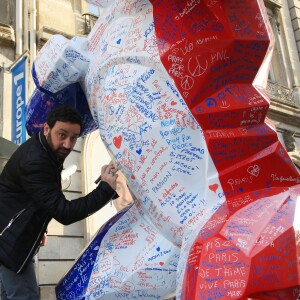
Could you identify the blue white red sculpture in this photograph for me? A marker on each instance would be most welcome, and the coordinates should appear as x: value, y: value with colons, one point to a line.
x: 177, y: 90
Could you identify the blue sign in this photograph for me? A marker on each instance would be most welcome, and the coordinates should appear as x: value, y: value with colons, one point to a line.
x: 18, y: 130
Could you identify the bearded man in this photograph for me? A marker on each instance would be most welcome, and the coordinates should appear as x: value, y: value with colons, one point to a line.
x: 31, y: 195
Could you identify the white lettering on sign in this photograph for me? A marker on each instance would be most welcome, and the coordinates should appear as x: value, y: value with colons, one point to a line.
x: 19, y: 111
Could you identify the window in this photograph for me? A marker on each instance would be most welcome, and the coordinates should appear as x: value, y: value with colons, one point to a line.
x: 277, y: 69
x: 94, y: 10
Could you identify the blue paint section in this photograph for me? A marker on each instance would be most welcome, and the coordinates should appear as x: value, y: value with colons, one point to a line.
x: 74, y: 284
x: 42, y: 101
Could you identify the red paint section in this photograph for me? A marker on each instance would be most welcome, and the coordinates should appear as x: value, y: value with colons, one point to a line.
x: 213, y: 50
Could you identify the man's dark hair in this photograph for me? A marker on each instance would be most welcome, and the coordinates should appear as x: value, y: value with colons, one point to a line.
x: 64, y: 113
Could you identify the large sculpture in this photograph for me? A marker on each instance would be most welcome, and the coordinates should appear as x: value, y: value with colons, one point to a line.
x: 176, y: 89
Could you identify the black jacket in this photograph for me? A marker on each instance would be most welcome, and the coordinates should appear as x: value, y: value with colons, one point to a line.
x: 30, y: 196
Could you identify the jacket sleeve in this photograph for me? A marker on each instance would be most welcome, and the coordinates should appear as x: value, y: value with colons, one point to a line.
x: 39, y: 180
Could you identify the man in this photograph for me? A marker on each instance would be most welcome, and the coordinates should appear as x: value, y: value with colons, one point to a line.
x: 30, y: 196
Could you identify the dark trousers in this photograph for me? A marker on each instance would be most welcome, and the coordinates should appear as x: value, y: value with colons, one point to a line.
x: 18, y: 286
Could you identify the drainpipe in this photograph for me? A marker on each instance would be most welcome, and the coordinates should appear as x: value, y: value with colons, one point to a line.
x: 32, y: 40
x: 30, y: 80
x: 1, y: 97
x: 19, y: 21
x: 25, y: 41
x: 26, y: 46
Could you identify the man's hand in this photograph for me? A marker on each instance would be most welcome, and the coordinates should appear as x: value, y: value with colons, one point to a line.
x: 43, y: 241
x: 108, y: 174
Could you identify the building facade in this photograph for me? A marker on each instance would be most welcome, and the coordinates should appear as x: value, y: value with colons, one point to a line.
x: 25, y: 26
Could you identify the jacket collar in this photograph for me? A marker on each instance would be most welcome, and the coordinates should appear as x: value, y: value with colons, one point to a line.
x: 46, y: 147
x: 43, y: 142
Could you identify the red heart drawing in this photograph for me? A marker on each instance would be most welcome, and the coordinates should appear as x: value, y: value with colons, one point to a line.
x: 214, y: 187
x: 173, y: 103
x: 132, y: 176
x: 117, y: 141
x: 161, y: 263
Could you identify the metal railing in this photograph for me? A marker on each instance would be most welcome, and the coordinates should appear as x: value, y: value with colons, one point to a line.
x: 89, y: 22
